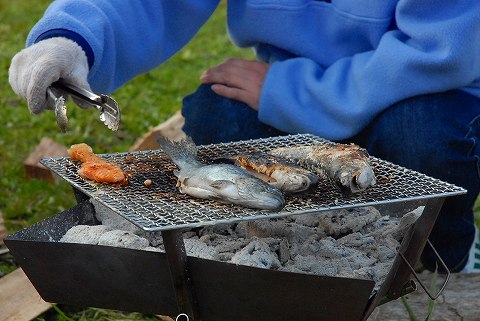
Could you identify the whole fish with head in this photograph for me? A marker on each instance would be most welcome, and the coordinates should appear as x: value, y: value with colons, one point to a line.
x: 279, y: 172
x: 347, y: 165
x: 225, y: 183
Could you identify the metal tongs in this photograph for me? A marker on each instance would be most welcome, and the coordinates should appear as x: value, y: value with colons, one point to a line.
x: 57, y: 95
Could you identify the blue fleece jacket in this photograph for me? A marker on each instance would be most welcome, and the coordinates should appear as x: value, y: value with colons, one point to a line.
x: 335, y: 64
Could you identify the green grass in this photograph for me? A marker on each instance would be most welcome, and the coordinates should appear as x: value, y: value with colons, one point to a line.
x: 66, y: 313
x: 145, y: 101
x: 476, y: 212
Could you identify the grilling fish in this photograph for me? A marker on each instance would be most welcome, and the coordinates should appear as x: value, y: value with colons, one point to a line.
x: 347, y: 165
x: 279, y: 172
x: 226, y: 183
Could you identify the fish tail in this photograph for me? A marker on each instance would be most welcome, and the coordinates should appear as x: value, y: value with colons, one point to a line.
x: 181, y: 152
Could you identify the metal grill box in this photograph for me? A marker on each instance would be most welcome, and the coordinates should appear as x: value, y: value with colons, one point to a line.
x: 172, y: 283
x: 134, y: 280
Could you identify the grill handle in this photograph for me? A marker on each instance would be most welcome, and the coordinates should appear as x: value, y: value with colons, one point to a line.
x: 447, y: 276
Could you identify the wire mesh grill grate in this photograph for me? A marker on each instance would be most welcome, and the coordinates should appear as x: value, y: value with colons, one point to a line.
x: 161, y: 206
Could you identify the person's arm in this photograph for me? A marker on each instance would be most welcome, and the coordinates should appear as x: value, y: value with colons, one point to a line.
x: 436, y: 48
x: 123, y: 38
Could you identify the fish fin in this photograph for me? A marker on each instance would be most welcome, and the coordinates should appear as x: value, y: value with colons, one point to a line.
x: 221, y: 184
x: 181, y: 152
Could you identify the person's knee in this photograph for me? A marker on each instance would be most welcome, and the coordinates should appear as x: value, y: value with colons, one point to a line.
x: 199, y: 103
x: 211, y: 118
x: 208, y: 116
x: 422, y: 132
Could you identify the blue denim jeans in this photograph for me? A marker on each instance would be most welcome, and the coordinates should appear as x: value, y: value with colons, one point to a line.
x: 436, y: 134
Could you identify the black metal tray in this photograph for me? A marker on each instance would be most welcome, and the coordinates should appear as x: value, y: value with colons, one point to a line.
x: 133, y: 280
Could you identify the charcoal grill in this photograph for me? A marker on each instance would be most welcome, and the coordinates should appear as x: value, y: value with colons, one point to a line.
x: 205, y: 289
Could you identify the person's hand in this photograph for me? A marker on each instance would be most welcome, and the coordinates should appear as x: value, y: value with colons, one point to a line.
x: 35, y: 68
x: 238, y: 79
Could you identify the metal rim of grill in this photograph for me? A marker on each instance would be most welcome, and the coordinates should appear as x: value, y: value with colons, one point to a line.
x: 162, y: 207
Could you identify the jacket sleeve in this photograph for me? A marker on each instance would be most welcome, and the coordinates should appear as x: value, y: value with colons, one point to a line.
x: 435, y: 47
x: 126, y: 38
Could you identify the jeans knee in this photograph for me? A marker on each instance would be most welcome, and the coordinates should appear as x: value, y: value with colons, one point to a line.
x: 425, y: 133
x: 211, y: 118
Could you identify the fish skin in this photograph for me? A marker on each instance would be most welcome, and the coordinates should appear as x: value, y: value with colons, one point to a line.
x: 347, y: 165
x: 225, y: 183
x: 279, y: 172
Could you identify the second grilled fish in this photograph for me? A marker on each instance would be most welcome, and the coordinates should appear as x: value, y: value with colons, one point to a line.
x: 347, y: 165
x: 226, y: 183
x: 279, y: 172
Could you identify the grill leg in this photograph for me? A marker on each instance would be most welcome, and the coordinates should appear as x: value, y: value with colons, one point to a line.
x: 177, y: 261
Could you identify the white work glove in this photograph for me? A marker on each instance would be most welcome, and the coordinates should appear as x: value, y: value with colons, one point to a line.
x: 35, y: 68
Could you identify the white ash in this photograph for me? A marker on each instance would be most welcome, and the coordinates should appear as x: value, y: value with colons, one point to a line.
x: 125, y: 239
x: 104, y: 235
x: 353, y: 243
x: 258, y: 254
x: 200, y: 249
x: 84, y: 234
